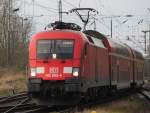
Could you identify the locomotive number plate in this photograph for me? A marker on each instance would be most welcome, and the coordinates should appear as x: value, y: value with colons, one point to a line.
x: 54, y: 70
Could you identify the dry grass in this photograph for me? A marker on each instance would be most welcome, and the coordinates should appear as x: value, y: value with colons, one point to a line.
x: 122, y: 106
x: 11, y: 80
x: 132, y: 104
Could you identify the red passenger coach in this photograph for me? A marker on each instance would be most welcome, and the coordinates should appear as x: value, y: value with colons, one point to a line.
x: 122, y: 69
x: 120, y: 57
x: 68, y: 62
x: 138, y: 68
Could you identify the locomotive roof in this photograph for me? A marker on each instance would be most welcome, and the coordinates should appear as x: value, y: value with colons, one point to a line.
x: 94, y: 33
x: 44, y: 33
x: 137, y: 54
x: 124, y: 49
x: 116, y: 47
x: 59, y: 30
x: 119, y: 48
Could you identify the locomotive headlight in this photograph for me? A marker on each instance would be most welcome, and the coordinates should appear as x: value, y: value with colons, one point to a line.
x: 75, y: 72
x: 40, y: 70
x: 33, y: 72
x: 37, y: 70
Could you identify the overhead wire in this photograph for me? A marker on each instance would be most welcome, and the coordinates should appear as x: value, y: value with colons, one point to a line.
x: 108, y: 27
x: 20, y: 5
x: 76, y: 7
x: 111, y: 13
x: 105, y: 26
x: 44, y: 7
x: 69, y: 3
x: 119, y: 23
x: 121, y: 38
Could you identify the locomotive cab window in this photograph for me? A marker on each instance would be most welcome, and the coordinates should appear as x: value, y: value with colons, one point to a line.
x: 55, y: 49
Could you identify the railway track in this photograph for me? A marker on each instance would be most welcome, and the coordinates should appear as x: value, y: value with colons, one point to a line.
x: 21, y: 103
x: 146, y: 93
x: 26, y: 108
x: 8, y: 100
x: 88, y: 104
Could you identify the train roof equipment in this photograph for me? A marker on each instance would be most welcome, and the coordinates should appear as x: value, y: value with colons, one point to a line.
x: 63, y: 25
x: 91, y: 13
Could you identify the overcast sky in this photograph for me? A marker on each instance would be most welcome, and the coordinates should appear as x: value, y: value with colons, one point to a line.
x: 49, y: 8
x: 104, y: 6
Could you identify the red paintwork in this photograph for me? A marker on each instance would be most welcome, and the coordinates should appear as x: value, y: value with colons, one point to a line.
x: 98, y: 66
x: 57, y: 34
x: 138, y: 67
x: 123, y: 69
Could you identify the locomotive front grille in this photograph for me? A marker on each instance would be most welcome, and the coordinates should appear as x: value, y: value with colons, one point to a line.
x: 56, y: 87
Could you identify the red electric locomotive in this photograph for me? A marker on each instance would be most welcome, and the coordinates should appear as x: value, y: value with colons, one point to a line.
x: 68, y: 62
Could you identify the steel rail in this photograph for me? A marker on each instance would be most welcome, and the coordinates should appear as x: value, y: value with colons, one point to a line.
x: 3, y: 99
x: 23, y: 106
x: 36, y: 110
x: 11, y: 109
x: 146, y: 93
x: 83, y: 105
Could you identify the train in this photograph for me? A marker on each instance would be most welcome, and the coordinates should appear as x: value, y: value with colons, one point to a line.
x: 147, y: 67
x: 67, y: 65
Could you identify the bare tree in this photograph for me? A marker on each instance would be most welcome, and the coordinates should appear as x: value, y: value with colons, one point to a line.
x: 13, y: 36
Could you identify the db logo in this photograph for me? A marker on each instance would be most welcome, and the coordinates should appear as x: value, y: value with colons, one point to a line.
x: 54, y: 70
